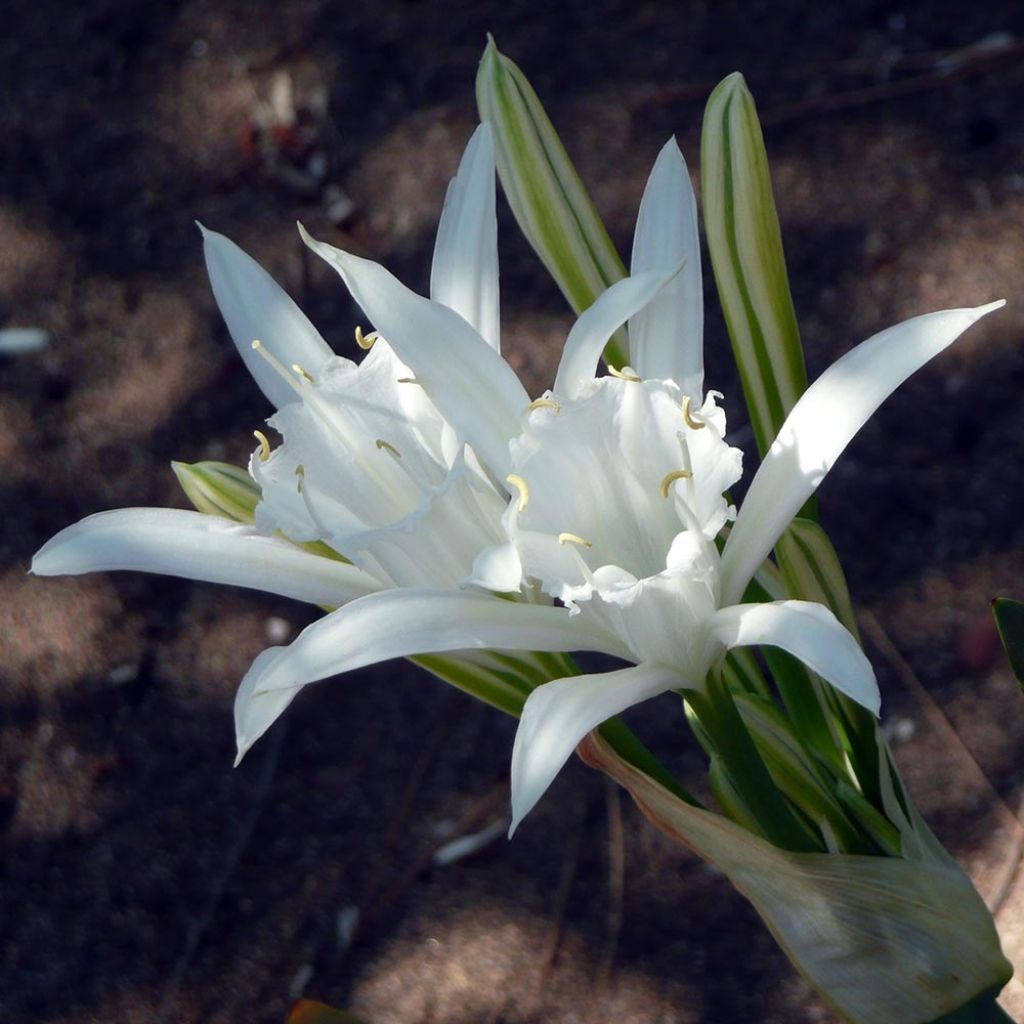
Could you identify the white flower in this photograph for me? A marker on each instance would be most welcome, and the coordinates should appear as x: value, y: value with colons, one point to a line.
x: 616, y: 483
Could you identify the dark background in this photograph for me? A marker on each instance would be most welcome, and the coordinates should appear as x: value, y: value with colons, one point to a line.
x: 141, y: 878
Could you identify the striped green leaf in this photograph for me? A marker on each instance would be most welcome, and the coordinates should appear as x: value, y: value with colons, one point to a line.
x: 550, y: 203
x: 742, y: 230
x: 219, y: 489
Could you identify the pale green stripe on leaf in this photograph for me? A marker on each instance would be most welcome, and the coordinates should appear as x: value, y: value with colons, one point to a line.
x: 742, y: 230
x: 811, y: 571
x: 796, y: 773
x: 219, y: 489
x: 505, y: 690
x: 550, y: 203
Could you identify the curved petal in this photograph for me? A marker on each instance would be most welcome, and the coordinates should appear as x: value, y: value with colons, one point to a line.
x: 400, y: 623
x: 808, y: 631
x: 255, y: 713
x: 464, y: 274
x: 174, y: 542
x: 471, y: 385
x: 666, y: 337
x: 255, y: 306
x: 596, y: 324
x: 559, y: 714
x: 822, y: 424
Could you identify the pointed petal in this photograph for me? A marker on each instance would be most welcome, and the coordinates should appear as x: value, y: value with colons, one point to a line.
x: 599, y: 322
x: 173, y: 542
x: 464, y: 274
x: 822, y: 424
x: 808, y: 631
x: 255, y: 713
x: 254, y: 307
x: 666, y: 337
x: 559, y: 714
x: 400, y: 623
x: 471, y: 385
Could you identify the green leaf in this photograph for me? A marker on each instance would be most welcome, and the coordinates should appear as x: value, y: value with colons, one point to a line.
x: 726, y: 734
x: 881, y: 939
x: 742, y: 230
x: 550, y: 203
x: 797, y: 774
x: 219, y: 489
x: 811, y: 571
x: 1010, y: 622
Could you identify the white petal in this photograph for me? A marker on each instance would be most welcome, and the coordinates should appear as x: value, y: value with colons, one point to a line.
x: 255, y: 713
x: 808, y: 631
x: 822, y: 424
x: 559, y: 714
x: 174, y: 542
x: 464, y: 274
x: 471, y: 385
x: 596, y: 324
x: 666, y: 336
x: 400, y: 623
x: 254, y: 307
x: 497, y: 568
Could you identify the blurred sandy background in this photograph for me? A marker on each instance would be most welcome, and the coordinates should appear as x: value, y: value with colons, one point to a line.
x: 144, y: 880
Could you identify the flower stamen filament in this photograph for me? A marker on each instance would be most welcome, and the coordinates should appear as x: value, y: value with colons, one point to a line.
x: 670, y: 478
x: 574, y: 538
x: 365, y: 341
x: 522, y: 487
x: 544, y: 403
x: 624, y: 374
x: 691, y: 422
x: 383, y: 445
x: 264, y: 444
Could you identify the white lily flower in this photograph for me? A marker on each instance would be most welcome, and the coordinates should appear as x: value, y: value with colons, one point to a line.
x: 368, y: 465
x: 618, y: 497
x: 401, y: 465
x: 621, y: 483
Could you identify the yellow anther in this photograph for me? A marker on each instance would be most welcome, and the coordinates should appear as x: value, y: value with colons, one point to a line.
x: 544, y: 403
x: 365, y: 341
x: 302, y: 373
x: 670, y: 478
x: 264, y: 444
x: 383, y: 445
x: 574, y: 538
x: 624, y: 376
x: 688, y: 416
x: 301, y: 474
x: 522, y: 487
x: 407, y: 380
